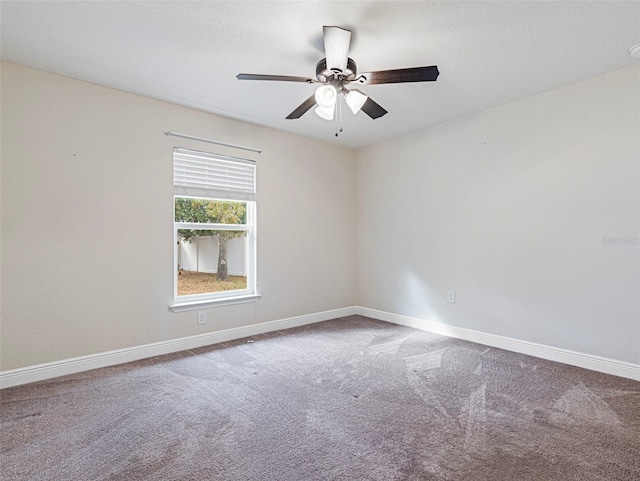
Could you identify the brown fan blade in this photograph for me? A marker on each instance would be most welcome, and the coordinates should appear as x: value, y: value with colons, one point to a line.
x: 283, y: 78
x: 302, y: 108
x: 414, y: 74
x: 372, y: 109
x: 336, y: 47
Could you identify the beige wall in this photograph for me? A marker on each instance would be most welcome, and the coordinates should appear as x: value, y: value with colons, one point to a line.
x: 512, y: 209
x: 87, y: 220
x: 508, y: 207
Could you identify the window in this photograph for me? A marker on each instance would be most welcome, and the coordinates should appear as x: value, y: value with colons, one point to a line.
x: 214, y: 230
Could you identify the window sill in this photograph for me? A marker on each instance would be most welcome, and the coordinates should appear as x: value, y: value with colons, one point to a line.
x: 206, y: 304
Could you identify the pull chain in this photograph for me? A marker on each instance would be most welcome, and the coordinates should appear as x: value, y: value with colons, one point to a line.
x: 339, y: 117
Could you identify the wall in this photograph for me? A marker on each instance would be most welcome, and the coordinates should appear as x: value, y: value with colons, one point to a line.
x: 529, y: 211
x: 87, y: 240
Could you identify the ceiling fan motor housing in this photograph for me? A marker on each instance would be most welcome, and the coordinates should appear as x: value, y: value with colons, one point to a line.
x: 323, y: 74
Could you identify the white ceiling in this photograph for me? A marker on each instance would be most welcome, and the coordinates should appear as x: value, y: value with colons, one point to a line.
x: 488, y: 53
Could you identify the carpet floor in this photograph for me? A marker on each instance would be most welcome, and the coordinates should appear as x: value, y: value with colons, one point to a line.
x: 348, y: 399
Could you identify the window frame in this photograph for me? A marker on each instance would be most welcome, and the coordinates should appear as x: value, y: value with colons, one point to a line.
x: 220, y: 298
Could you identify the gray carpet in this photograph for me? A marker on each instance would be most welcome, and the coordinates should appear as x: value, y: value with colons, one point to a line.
x: 347, y: 399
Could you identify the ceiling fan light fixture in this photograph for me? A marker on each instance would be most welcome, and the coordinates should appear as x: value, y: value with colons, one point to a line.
x: 326, y: 96
x: 325, y: 112
x: 337, y: 71
x: 355, y: 100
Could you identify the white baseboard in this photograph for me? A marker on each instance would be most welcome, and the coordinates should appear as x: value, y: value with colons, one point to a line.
x: 50, y: 370
x: 587, y: 361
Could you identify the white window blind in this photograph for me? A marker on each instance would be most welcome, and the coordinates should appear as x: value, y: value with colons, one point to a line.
x: 200, y: 174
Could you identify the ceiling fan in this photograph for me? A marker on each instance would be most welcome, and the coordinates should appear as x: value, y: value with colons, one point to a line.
x: 337, y: 71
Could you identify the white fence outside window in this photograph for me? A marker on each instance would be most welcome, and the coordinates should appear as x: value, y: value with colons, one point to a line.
x: 201, y: 255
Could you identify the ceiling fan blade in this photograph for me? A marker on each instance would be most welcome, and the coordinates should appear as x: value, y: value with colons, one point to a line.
x: 414, y: 74
x: 283, y: 78
x: 302, y: 108
x: 372, y: 109
x: 336, y: 47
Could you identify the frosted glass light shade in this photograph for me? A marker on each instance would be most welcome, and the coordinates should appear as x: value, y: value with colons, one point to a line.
x: 325, y: 112
x: 326, y: 96
x: 355, y: 100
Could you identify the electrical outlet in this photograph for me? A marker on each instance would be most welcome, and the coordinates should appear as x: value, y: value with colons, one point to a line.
x: 202, y: 317
x: 451, y: 297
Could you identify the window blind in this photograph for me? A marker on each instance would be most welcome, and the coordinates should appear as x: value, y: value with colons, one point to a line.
x: 200, y: 174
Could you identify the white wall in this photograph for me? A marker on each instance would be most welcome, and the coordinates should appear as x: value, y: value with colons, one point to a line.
x: 87, y: 241
x: 512, y: 208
